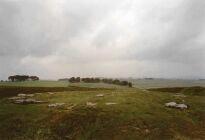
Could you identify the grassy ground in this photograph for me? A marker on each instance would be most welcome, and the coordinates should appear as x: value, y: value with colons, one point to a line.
x: 36, y: 84
x: 138, y: 114
x: 200, y: 91
x: 57, y: 84
x: 96, y: 85
x: 159, y: 83
x: 138, y: 83
x: 8, y: 91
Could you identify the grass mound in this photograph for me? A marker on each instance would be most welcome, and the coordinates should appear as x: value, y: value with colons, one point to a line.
x: 198, y: 91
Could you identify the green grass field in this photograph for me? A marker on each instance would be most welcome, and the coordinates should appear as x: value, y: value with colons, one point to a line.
x: 138, y: 113
x: 138, y: 83
x: 160, y: 83
x: 36, y: 84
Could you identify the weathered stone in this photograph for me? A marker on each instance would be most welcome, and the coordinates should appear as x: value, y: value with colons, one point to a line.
x: 21, y: 95
x: 175, y: 105
x: 179, y: 95
x: 24, y: 101
x: 147, y: 131
x: 91, y: 104
x: 181, y: 106
x: 29, y: 95
x: 110, y: 103
x: 99, y: 95
x: 56, y: 105
x: 171, y: 104
x: 70, y: 107
x: 40, y: 102
x: 27, y: 101
x: 15, y: 98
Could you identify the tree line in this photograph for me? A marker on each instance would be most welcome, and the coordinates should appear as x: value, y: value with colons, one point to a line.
x: 22, y: 78
x: 98, y: 80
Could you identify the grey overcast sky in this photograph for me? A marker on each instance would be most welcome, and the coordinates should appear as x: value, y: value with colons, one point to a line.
x: 108, y: 38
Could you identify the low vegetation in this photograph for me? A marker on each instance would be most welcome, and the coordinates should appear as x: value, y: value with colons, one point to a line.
x: 102, y: 114
x: 8, y: 91
x: 41, y: 83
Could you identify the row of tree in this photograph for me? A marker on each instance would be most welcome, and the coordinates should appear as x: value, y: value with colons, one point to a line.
x: 74, y: 80
x: 117, y: 82
x: 98, y: 80
x: 22, y: 78
x: 91, y: 80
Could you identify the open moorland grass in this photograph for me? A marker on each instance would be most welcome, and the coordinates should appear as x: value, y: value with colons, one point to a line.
x: 136, y: 114
x: 163, y: 83
x: 95, y: 85
x: 57, y: 84
x: 36, y: 84
x: 8, y: 91
x: 138, y: 83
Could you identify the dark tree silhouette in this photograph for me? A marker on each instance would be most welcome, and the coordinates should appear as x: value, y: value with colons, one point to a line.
x: 97, y: 80
x: 22, y: 78
x: 77, y: 79
x: 34, y: 78
x: 74, y: 80
x: 130, y: 84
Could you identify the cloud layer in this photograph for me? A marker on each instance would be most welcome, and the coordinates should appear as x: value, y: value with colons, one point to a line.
x: 111, y: 38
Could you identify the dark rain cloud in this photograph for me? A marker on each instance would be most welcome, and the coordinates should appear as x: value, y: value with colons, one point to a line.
x: 53, y: 38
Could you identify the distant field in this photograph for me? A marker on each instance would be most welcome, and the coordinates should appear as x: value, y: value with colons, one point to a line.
x: 58, y: 84
x: 159, y: 83
x: 138, y: 83
x: 36, y: 84
x: 96, y: 85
